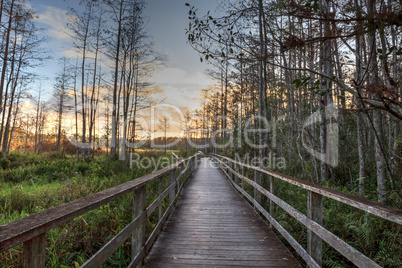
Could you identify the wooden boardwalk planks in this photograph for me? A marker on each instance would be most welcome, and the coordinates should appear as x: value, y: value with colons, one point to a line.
x: 212, y: 226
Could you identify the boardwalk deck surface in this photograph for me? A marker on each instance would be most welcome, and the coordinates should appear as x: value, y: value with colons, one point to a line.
x: 212, y: 226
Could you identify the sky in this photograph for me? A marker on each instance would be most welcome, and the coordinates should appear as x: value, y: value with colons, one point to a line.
x: 183, y: 76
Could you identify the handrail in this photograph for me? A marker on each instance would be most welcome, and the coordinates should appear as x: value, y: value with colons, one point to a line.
x: 377, y: 209
x: 313, y: 220
x: 31, y: 230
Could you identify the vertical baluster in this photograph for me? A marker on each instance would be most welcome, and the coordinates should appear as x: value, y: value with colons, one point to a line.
x: 236, y: 169
x: 230, y: 172
x: 160, y: 190
x: 139, y: 206
x: 172, y: 182
x: 179, y: 182
x: 271, y: 203
x: 314, y: 212
x: 34, y: 252
x: 242, y: 181
x: 257, y: 194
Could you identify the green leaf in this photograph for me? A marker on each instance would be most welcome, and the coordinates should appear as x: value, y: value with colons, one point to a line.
x: 315, y: 6
x: 201, y: 59
x: 187, y: 4
x: 295, y: 81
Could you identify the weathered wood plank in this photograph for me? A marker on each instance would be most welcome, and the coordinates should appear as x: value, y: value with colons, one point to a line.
x: 158, y: 202
x: 296, y: 246
x: 314, y: 212
x: 172, y: 183
x: 271, y: 189
x: 107, y: 250
x: 139, y: 208
x: 33, y: 252
x: 160, y: 190
x: 214, y: 221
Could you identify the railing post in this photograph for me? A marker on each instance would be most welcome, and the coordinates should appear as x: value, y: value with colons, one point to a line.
x: 181, y: 179
x: 242, y: 173
x: 237, y: 171
x: 172, y: 189
x: 139, y: 206
x: 271, y: 203
x: 160, y: 207
x: 257, y: 179
x: 314, y: 212
x: 34, y: 252
x: 230, y: 173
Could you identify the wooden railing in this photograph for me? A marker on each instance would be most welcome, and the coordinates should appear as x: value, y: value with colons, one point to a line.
x: 30, y: 231
x: 313, y: 220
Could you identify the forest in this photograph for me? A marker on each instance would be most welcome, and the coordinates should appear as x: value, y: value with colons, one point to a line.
x: 308, y: 88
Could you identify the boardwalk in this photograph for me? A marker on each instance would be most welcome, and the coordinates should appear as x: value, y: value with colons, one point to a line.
x: 212, y: 226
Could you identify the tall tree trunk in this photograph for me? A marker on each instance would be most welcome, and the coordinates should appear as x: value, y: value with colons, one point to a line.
x: 92, y: 100
x: 76, y: 110
x: 37, y: 120
x: 15, y: 118
x: 261, y: 81
x: 326, y: 97
x: 374, y: 80
x: 84, y: 52
x: 113, y: 146
x: 360, y: 121
x: 5, y: 56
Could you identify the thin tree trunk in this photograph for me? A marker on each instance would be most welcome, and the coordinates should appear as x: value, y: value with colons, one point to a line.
x: 5, y: 56
x: 113, y: 146
x: 37, y: 121
x: 378, y: 131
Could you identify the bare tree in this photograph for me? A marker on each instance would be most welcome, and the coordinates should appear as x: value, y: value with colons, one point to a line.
x: 164, y: 126
x: 61, y: 97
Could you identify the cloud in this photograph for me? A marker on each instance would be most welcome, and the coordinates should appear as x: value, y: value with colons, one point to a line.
x: 174, y: 76
x: 182, y: 88
x: 55, y: 20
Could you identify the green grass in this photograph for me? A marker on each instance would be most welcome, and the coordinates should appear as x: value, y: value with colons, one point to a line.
x: 32, y: 183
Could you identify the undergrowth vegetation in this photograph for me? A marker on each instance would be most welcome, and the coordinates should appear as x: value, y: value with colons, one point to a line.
x: 32, y: 183
x: 378, y: 239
